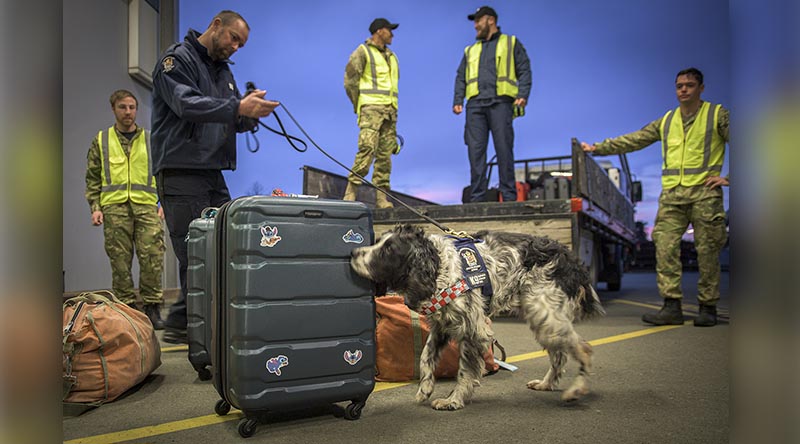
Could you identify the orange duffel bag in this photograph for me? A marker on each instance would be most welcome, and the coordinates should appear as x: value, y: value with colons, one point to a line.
x: 400, y: 335
x: 108, y: 348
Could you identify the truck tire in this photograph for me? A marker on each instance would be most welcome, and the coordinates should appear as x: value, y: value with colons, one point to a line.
x: 614, y: 278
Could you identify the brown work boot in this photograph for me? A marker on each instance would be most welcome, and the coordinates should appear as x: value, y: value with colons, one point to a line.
x: 153, y: 311
x: 350, y: 192
x: 670, y: 314
x: 707, y: 316
x: 381, y: 201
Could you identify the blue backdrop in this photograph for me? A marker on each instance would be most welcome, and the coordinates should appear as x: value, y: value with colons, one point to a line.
x: 600, y: 69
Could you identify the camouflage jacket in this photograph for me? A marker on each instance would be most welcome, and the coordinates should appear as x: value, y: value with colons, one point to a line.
x: 650, y: 134
x: 355, y: 69
x: 94, y: 181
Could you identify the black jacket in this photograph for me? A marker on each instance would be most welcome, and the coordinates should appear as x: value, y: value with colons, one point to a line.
x: 195, y: 110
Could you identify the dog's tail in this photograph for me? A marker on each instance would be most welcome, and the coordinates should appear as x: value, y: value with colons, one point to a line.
x: 589, y: 304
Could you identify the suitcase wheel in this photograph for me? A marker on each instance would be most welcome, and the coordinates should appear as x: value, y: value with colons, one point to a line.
x: 353, y: 411
x: 204, y: 374
x: 247, y: 427
x: 222, y: 407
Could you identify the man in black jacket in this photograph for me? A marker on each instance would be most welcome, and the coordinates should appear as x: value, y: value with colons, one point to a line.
x: 197, y: 111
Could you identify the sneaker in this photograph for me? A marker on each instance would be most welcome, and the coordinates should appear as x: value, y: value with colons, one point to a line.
x: 175, y: 336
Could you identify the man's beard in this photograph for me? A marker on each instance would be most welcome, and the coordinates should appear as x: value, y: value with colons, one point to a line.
x: 217, y: 53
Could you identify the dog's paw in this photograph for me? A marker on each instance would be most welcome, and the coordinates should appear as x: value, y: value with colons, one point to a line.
x: 447, y: 404
x: 538, y: 384
x: 574, y: 393
x: 421, y: 397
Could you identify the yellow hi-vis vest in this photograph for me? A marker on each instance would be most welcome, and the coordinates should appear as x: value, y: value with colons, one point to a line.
x: 506, y: 72
x: 378, y: 84
x: 690, y: 158
x: 126, y: 177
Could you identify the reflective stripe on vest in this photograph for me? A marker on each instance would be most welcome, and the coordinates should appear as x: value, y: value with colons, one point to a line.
x: 690, y: 158
x: 378, y: 84
x: 505, y: 68
x: 126, y: 177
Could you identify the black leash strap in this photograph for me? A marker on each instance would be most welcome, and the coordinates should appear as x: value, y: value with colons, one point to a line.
x: 289, y: 138
x: 377, y: 189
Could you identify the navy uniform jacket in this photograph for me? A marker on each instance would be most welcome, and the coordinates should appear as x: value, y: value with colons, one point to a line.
x: 195, y: 110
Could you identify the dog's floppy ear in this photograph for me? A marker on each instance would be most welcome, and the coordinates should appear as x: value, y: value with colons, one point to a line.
x: 411, y: 230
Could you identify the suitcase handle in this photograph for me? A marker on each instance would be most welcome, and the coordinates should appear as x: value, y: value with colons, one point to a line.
x: 313, y: 213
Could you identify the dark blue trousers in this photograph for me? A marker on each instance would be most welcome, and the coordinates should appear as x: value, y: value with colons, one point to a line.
x: 496, y: 118
x: 184, y: 194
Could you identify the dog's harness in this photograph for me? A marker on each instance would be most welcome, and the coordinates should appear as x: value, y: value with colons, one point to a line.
x: 473, y: 269
x: 474, y: 273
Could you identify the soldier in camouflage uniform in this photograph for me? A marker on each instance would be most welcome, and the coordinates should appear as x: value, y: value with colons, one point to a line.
x: 693, y: 138
x: 121, y: 193
x: 370, y: 80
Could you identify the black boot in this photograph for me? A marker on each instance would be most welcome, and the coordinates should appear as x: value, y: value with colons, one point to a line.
x: 153, y: 311
x: 175, y: 335
x: 707, y: 316
x: 670, y: 314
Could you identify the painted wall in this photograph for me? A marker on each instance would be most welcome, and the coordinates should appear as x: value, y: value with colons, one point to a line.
x: 95, y: 45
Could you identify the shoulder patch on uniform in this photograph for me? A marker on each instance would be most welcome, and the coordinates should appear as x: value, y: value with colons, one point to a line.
x: 168, y: 63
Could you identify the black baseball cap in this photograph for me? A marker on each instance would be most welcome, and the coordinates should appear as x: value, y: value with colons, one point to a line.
x: 483, y: 10
x: 380, y: 23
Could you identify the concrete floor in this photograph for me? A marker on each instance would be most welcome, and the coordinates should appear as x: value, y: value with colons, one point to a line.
x: 650, y: 385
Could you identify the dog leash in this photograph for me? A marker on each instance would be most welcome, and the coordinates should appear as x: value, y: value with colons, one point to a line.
x: 437, y: 224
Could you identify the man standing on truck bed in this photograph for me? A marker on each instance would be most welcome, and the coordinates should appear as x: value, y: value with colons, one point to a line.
x: 693, y: 138
x: 495, y: 78
x: 371, y: 79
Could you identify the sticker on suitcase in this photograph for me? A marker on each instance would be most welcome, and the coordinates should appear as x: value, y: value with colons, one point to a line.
x: 352, y: 237
x: 275, y: 364
x: 352, y: 358
x: 269, y: 236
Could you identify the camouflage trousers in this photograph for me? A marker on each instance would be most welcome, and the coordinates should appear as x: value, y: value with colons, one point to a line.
x: 677, y: 208
x: 377, y: 140
x: 130, y: 225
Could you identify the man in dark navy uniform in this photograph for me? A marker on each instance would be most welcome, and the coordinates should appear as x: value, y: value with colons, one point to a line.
x: 197, y: 111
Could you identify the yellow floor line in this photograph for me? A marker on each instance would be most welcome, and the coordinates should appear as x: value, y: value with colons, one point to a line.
x: 150, y: 431
x: 201, y: 421
x: 175, y: 348
x: 636, y: 304
x: 381, y: 386
x: 693, y: 309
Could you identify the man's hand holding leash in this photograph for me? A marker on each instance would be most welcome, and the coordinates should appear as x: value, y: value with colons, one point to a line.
x: 255, y: 106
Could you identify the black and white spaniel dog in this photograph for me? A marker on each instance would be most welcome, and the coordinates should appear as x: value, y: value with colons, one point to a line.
x: 536, y: 277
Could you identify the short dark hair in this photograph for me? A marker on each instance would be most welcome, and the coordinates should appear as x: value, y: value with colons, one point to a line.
x: 121, y: 94
x: 694, y: 72
x: 227, y: 17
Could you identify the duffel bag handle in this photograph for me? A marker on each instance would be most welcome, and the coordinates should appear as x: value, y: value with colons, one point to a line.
x: 103, y: 296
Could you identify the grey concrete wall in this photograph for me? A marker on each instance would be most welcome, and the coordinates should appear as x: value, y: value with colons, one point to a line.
x: 95, y: 50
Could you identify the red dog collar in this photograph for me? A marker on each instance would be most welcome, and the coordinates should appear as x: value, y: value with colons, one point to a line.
x: 445, y: 296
